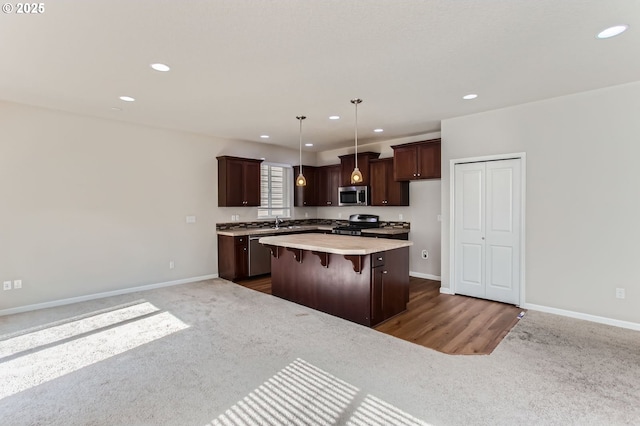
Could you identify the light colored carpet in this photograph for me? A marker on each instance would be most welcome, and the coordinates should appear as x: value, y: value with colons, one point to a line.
x: 215, y: 353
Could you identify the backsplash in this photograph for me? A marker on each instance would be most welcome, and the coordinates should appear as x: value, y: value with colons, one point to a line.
x: 262, y: 224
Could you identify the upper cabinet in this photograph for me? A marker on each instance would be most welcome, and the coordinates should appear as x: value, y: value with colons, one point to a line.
x: 385, y: 190
x: 348, y: 162
x: 417, y: 160
x: 328, y: 182
x: 306, y: 196
x: 238, y: 182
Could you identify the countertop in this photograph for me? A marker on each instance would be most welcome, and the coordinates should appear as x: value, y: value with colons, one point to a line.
x: 337, y: 244
x: 285, y: 229
x: 281, y: 230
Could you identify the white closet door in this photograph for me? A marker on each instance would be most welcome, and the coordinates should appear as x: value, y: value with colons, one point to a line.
x: 487, y: 230
x: 469, y: 220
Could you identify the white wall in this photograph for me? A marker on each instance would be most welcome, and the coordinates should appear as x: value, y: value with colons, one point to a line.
x: 422, y: 213
x: 90, y: 205
x: 582, y: 202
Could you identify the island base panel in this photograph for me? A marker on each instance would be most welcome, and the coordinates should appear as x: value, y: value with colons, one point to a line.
x: 374, y: 295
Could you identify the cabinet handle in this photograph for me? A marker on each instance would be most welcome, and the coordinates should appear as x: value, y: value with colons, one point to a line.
x: 384, y: 272
x: 414, y: 174
x: 379, y: 258
x: 418, y: 174
x: 245, y: 249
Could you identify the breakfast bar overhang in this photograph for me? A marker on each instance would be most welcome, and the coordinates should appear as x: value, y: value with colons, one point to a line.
x: 364, y: 280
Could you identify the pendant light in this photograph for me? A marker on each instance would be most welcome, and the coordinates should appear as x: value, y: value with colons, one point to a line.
x: 356, y: 176
x: 301, y: 180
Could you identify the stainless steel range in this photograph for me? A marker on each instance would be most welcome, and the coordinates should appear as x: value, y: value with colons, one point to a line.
x: 358, y: 222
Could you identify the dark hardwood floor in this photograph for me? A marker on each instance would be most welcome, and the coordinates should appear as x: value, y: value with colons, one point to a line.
x: 451, y: 324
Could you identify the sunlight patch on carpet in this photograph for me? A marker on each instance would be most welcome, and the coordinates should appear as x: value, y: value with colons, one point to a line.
x: 80, y: 344
x: 302, y: 394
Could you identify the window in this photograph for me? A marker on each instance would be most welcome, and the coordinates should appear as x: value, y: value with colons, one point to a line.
x: 275, y: 191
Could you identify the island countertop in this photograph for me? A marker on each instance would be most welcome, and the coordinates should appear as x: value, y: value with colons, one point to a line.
x: 336, y: 244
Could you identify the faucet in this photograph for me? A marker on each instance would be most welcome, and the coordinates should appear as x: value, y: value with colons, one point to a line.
x: 278, y: 222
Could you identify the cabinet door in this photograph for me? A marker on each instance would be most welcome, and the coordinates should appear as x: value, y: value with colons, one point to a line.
x: 428, y: 161
x: 251, y: 184
x: 235, y: 183
x: 306, y: 196
x: 347, y: 163
x: 328, y: 183
x: 334, y: 184
x: 241, y: 257
x: 404, y: 163
x: 378, y: 171
x: 397, y: 191
x: 377, y: 287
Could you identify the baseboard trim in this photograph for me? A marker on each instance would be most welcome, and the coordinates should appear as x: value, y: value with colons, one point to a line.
x: 580, y: 315
x: 61, y: 302
x: 425, y: 276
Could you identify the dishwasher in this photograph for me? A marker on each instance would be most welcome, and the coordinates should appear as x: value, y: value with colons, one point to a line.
x: 259, y: 257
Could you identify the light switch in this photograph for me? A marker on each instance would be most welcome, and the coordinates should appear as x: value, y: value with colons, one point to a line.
x: 191, y: 219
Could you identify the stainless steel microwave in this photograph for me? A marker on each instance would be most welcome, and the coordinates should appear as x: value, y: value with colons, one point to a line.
x: 353, y: 196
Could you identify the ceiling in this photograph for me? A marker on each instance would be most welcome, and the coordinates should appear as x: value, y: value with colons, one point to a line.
x: 244, y: 68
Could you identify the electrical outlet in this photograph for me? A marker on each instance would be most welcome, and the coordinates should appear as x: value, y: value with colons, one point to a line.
x: 171, y: 264
x: 339, y: 215
x: 17, y: 283
x: 439, y: 217
x: 620, y: 294
x: 6, y: 285
x: 425, y: 254
x: 400, y: 216
x: 191, y: 219
x: 306, y: 214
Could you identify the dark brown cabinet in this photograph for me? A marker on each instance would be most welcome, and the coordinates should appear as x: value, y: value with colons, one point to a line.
x: 233, y: 257
x: 328, y: 183
x: 238, y: 182
x: 348, y: 163
x: 366, y: 289
x: 306, y: 196
x: 385, y: 190
x: 417, y: 160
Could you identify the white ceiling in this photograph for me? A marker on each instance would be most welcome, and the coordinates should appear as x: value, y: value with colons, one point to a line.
x: 242, y: 68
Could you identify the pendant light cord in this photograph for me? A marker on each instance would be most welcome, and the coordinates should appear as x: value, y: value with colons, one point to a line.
x: 300, y: 118
x: 356, y: 134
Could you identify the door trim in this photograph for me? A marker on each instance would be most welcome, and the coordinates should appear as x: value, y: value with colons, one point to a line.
x: 452, y: 260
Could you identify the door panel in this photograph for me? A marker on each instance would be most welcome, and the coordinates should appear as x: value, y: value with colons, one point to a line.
x: 469, y: 231
x: 503, y: 233
x: 500, y: 261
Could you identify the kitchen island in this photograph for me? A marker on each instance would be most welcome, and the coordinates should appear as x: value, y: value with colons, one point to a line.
x: 364, y: 280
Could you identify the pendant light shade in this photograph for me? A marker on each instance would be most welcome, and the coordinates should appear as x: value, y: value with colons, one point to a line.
x: 301, y: 180
x: 356, y: 175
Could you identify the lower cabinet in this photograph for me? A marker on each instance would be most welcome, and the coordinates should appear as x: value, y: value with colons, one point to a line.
x: 233, y: 257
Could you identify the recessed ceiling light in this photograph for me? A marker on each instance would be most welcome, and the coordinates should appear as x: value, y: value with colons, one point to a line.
x: 160, y: 67
x: 470, y: 96
x: 378, y: 130
x: 308, y: 144
x: 116, y: 109
x: 127, y: 98
x: 612, y: 31
x: 334, y: 117
x: 264, y: 136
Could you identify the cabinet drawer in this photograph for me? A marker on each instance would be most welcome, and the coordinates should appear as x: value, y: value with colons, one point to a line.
x: 377, y: 259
